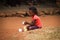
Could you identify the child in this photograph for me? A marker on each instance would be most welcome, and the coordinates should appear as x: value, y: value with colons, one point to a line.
x: 36, y: 22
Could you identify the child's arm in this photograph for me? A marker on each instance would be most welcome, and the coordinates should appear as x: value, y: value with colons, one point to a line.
x: 32, y: 23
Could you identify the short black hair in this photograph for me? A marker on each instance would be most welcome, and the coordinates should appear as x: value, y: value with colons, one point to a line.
x: 34, y: 9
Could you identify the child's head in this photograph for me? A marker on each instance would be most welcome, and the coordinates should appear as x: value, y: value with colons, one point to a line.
x: 33, y: 11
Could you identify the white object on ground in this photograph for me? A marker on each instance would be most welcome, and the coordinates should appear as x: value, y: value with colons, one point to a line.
x: 23, y: 22
x: 20, y: 30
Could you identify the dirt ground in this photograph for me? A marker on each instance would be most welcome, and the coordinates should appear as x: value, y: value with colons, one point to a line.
x: 9, y: 28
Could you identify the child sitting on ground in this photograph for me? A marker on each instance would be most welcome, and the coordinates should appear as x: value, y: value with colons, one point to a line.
x: 36, y: 21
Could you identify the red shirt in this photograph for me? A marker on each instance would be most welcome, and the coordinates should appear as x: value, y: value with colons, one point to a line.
x: 38, y: 21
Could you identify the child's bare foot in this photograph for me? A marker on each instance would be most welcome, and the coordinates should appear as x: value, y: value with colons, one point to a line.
x: 25, y: 29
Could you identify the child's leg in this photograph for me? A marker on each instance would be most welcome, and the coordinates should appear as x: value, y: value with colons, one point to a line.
x: 32, y: 27
x: 27, y: 28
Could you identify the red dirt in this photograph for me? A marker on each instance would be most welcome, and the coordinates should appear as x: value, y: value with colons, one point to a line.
x: 9, y: 26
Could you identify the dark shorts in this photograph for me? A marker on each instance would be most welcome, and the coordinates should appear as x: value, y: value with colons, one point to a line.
x: 32, y: 27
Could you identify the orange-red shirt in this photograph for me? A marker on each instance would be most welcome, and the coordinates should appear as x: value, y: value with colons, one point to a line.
x: 38, y: 21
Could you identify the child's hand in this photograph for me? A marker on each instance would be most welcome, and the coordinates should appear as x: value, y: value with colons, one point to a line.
x: 24, y: 22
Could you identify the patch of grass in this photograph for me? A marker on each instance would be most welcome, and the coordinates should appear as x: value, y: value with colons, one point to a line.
x: 47, y: 34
